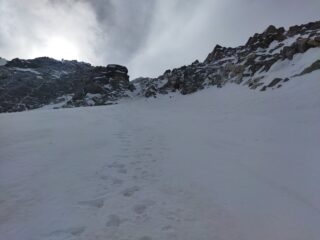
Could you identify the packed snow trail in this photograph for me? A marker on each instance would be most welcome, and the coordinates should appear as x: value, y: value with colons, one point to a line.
x: 227, y: 163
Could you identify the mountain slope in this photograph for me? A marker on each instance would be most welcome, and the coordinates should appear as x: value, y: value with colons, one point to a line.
x: 224, y: 163
x: 267, y: 61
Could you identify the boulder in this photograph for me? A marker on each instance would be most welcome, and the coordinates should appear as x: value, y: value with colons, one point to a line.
x: 288, y: 52
x: 117, y: 73
x: 216, y: 54
x: 294, y: 30
x: 274, y: 82
x: 151, y: 92
x: 313, y: 42
x: 271, y: 29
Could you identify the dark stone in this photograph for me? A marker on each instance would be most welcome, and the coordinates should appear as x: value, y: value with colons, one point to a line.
x: 196, y: 62
x: 94, y: 88
x: 263, y: 89
x: 266, y: 38
x: 271, y: 29
x: 294, y: 30
x: 268, y: 64
x: 288, y: 52
x: 216, y: 54
x: 275, y: 82
x: 167, y: 72
x: 301, y: 45
x: 151, y: 92
x: 314, y: 66
x: 117, y: 72
x: 117, y: 68
x: 313, y: 43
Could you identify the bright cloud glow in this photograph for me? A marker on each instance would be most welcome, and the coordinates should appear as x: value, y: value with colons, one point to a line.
x: 58, y: 47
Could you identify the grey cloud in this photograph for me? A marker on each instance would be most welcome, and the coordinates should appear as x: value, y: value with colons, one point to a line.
x: 28, y: 26
x: 127, y: 26
x: 148, y: 36
x: 123, y: 25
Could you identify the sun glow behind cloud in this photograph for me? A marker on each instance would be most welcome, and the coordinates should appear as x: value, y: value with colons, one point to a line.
x: 59, y: 48
x: 53, y: 28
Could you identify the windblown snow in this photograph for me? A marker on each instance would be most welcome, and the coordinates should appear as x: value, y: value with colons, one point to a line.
x: 227, y: 164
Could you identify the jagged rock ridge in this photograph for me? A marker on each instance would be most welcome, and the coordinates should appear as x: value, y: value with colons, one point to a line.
x: 30, y: 84
x: 248, y: 65
x: 266, y: 61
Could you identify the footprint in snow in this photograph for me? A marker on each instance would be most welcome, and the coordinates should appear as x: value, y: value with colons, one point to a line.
x: 104, y: 177
x: 122, y: 171
x: 167, y: 228
x: 142, y: 207
x: 114, y: 221
x: 137, y: 162
x: 116, y: 165
x: 117, y: 181
x: 130, y: 191
x: 96, y: 203
x: 68, y: 232
x: 145, y: 238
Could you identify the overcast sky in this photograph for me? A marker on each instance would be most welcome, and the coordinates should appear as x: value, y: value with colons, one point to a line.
x: 147, y: 36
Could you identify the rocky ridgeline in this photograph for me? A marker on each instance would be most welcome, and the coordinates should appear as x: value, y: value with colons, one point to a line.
x: 248, y: 65
x: 30, y: 84
x: 266, y: 61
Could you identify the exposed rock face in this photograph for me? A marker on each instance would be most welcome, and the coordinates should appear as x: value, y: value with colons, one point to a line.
x: 315, y: 66
x: 30, y: 84
x: 300, y: 46
x: 266, y: 38
x: 102, y: 86
x: 248, y: 65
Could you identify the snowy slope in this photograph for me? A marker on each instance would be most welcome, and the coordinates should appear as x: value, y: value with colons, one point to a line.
x: 227, y: 163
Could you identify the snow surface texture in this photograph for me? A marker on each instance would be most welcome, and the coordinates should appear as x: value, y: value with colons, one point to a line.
x: 227, y: 164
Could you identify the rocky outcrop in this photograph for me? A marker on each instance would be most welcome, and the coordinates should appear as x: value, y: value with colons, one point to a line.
x: 248, y: 65
x: 30, y: 84
x: 300, y: 46
x: 102, y: 86
x: 266, y: 38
